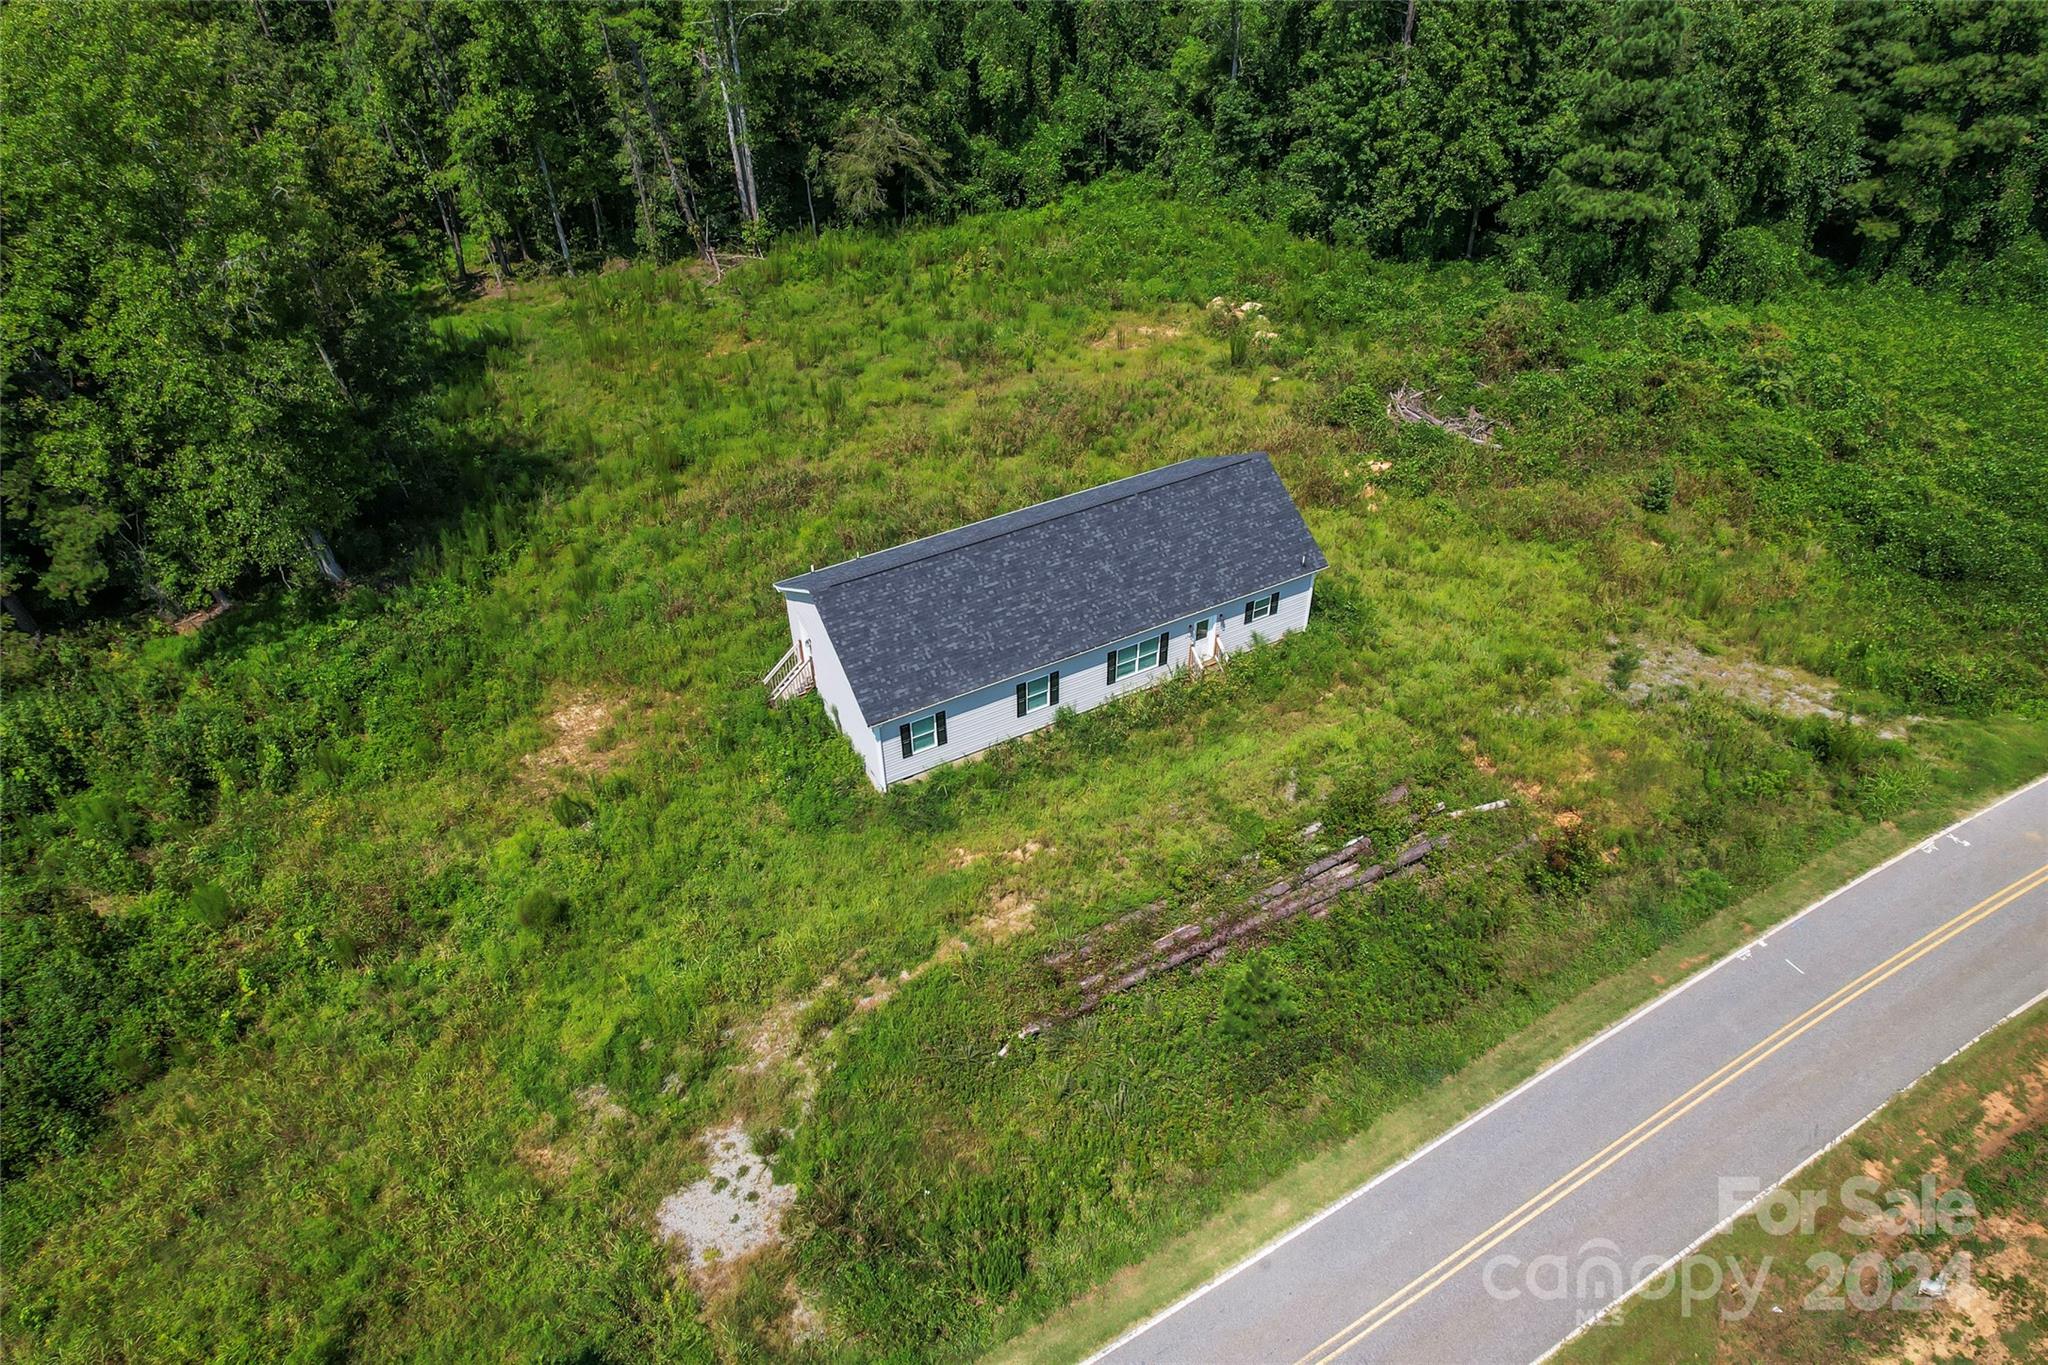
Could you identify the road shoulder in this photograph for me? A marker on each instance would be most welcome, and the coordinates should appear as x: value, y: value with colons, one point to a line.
x: 1957, y: 1163
x: 1254, y: 1220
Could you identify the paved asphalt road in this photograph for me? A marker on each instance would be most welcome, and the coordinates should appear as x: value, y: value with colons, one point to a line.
x: 1616, y: 1155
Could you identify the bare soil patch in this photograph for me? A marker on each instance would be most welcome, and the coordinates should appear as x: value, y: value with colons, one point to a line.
x: 774, y: 1038
x: 1129, y: 335
x: 1782, y: 688
x: 583, y: 739
x: 2009, y: 1111
x: 733, y: 1211
x: 543, y: 1152
x: 1011, y: 914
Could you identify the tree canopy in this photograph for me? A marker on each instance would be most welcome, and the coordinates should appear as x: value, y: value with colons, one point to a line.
x: 220, y: 218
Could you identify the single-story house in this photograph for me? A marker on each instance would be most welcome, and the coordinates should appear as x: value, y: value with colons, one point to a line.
x: 942, y: 647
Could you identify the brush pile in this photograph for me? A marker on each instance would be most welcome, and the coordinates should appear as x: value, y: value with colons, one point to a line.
x: 1412, y: 405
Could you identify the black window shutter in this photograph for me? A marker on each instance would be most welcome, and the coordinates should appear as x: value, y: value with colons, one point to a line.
x: 1054, y: 699
x: 942, y: 729
x: 903, y: 733
x: 1112, y: 668
x: 1273, y: 605
x: 1020, y: 699
x: 1164, y: 637
x: 1247, y: 613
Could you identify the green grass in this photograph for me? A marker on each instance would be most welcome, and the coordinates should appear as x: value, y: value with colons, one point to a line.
x: 322, y: 954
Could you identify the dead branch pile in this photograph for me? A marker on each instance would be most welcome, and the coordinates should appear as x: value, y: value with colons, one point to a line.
x: 1412, y: 405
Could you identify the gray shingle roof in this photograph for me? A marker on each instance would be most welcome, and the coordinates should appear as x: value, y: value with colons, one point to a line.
x: 925, y: 622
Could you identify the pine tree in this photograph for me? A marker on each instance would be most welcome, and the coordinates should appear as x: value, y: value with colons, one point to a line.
x: 1256, y: 1003
x: 1951, y: 101
x: 1636, y: 199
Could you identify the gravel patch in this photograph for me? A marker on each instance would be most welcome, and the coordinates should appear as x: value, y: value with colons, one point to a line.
x: 734, y: 1210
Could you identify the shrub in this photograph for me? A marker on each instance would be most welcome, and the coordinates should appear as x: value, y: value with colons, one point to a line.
x: 541, y: 910
x: 1521, y: 332
x: 1621, y: 669
x: 1837, y: 744
x: 1752, y: 264
x: 1656, y: 494
x: 1567, y: 863
x: 1889, y: 790
x: 208, y: 906
x: 2018, y: 274
x: 1256, y: 1003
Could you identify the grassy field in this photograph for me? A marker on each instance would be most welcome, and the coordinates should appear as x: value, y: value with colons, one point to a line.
x: 377, y: 961
x: 1977, y: 1129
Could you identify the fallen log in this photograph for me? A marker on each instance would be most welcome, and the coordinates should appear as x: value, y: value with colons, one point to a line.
x: 1308, y: 899
x: 1313, y: 891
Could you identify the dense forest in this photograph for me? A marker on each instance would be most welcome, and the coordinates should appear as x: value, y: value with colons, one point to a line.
x: 225, y: 222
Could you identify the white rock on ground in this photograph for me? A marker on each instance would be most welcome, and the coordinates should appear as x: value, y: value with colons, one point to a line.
x: 735, y: 1209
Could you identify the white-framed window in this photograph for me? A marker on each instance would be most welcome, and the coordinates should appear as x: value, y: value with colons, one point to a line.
x: 1038, y: 693
x: 1202, y: 630
x: 1261, y: 607
x: 918, y: 735
x: 1136, y: 658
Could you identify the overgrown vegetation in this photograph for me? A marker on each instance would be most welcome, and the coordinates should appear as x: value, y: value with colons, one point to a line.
x: 372, y: 960
x: 219, y: 216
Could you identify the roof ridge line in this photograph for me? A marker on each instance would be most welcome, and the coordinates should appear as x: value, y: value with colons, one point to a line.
x: 1222, y: 462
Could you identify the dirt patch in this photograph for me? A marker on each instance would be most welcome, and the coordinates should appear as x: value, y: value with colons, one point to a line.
x: 2002, y: 1117
x: 545, y: 1155
x: 803, y: 1325
x: 735, y: 1210
x: 1773, y: 687
x: 775, y: 1037
x: 2015, y: 1258
x: 552, y: 1153
x: 962, y: 858
x: 1964, y: 1325
x: 581, y: 727
x: 1128, y: 335
x: 1010, y: 916
x: 597, y: 1101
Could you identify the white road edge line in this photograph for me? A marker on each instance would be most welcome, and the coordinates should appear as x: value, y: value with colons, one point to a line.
x: 1741, y: 953
x: 1732, y: 1219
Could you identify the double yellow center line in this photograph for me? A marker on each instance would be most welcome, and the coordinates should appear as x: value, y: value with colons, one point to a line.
x: 1401, y: 1300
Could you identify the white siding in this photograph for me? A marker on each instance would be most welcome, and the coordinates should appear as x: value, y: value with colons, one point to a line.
x: 988, y: 715
x: 833, y: 688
